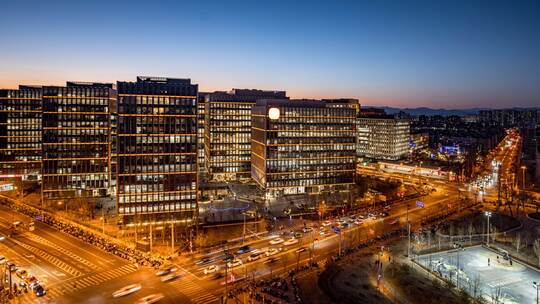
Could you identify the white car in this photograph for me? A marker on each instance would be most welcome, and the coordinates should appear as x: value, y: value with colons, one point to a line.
x: 165, y: 271
x: 150, y: 299
x: 170, y: 277
x: 234, y: 263
x: 307, y: 229
x: 255, y: 256
x: 272, y: 251
x: 211, y: 269
x: 290, y: 241
x: 276, y: 241
x: 322, y: 233
x: 326, y: 223
x: 2, y: 259
x: 126, y: 290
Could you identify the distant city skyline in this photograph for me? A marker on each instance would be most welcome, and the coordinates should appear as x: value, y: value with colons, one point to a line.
x: 453, y: 55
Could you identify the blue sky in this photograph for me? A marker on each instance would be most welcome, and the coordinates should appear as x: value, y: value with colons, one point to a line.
x: 403, y: 53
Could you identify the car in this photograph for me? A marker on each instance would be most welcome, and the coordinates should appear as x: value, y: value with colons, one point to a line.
x: 301, y: 249
x: 276, y: 241
x: 217, y: 275
x: 307, y: 229
x: 170, y: 277
x: 39, y: 290
x: 326, y: 223
x: 150, y: 299
x: 272, y: 251
x: 228, y: 257
x: 2, y: 237
x: 126, y: 290
x: 234, y: 263
x: 255, y: 256
x: 344, y: 225
x: 2, y: 259
x: 296, y: 234
x: 357, y: 222
x: 290, y: 241
x: 211, y: 269
x: 243, y: 249
x: 12, y: 266
x: 21, y: 273
x: 204, y: 261
x: 166, y: 271
x: 322, y: 233
x: 31, y: 281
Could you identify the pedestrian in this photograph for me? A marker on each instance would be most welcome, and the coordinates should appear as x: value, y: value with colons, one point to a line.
x: 489, y: 261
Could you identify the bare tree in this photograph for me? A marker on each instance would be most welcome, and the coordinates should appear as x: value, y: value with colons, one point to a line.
x: 476, y: 283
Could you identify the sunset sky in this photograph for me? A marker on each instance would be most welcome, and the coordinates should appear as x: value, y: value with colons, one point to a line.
x: 447, y: 54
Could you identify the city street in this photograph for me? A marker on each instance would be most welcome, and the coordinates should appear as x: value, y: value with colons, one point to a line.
x: 75, y: 272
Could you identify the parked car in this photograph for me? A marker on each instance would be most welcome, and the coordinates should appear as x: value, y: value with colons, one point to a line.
x: 243, y: 249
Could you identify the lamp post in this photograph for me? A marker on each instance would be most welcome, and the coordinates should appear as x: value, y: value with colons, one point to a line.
x: 523, y: 168
x: 536, y: 285
x: 488, y: 215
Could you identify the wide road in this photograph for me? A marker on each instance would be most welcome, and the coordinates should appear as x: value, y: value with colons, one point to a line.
x: 75, y: 272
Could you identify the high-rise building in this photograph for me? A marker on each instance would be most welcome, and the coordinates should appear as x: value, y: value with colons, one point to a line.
x: 201, y: 101
x: 302, y: 146
x: 228, y: 132
x: 382, y: 136
x: 20, y: 133
x: 77, y: 141
x: 157, y: 150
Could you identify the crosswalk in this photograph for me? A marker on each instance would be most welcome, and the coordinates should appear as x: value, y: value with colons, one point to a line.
x: 64, y: 251
x: 92, y: 280
x: 194, y: 292
x: 51, y: 259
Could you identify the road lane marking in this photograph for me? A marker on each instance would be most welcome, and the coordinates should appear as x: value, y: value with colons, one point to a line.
x: 49, y: 258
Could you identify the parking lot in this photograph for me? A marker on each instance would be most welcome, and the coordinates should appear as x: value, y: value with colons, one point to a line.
x: 492, y: 275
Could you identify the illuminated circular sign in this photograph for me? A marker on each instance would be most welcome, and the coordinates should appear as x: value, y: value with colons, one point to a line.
x: 273, y: 113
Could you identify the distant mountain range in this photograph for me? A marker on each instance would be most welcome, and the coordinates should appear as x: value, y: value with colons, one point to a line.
x: 431, y: 112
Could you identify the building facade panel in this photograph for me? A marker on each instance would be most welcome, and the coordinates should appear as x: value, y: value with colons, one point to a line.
x: 20, y: 133
x: 228, y: 130
x: 302, y: 147
x: 157, y: 150
x: 77, y: 141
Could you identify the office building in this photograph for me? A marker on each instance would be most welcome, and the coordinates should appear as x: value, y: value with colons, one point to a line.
x: 382, y: 136
x: 20, y: 133
x: 157, y: 150
x: 77, y: 142
x: 228, y: 132
x: 201, y: 101
x: 302, y: 147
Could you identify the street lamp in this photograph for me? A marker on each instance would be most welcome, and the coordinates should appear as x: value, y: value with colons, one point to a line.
x: 535, y: 285
x: 488, y: 215
x: 523, y: 168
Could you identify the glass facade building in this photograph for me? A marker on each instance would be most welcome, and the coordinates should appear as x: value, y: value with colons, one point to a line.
x: 77, y: 141
x: 302, y: 146
x: 383, y: 137
x: 20, y: 133
x: 228, y: 132
x: 157, y: 150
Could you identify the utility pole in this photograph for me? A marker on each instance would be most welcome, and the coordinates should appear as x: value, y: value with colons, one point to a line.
x: 102, y: 220
x: 172, y: 236
x: 151, y: 237
x: 244, y: 233
x: 408, y: 234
